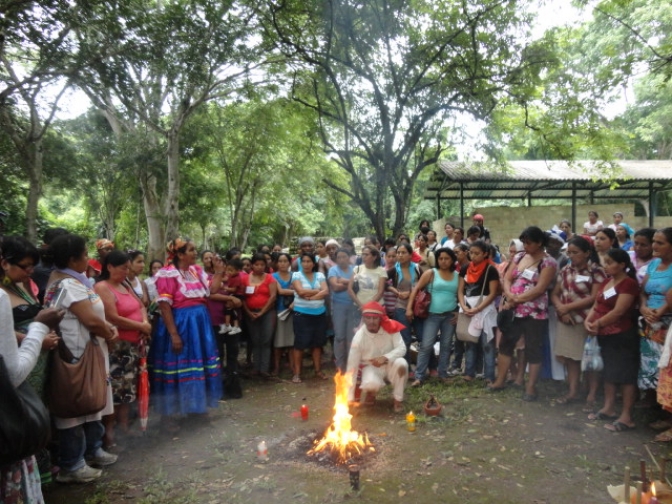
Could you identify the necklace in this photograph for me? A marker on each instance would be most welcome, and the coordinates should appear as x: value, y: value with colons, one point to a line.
x: 14, y: 289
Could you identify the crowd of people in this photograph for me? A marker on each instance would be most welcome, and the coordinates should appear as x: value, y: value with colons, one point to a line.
x: 455, y: 306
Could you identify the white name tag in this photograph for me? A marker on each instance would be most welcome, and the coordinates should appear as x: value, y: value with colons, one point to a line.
x: 249, y: 289
x: 582, y: 278
x: 528, y: 274
x: 609, y: 293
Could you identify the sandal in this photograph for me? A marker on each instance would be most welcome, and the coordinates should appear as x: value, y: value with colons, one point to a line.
x: 398, y: 406
x: 416, y: 383
x: 321, y: 375
x: 664, y: 437
x: 602, y: 416
x: 619, y: 427
x: 296, y: 379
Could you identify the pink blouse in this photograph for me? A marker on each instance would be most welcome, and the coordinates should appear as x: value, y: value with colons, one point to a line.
x: 182, y: 288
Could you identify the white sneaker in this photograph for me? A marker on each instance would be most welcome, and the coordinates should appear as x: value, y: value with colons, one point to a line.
x: 223, y: 329
x: 102, y: 458
x: 84, y: 474
x: 235, y: 330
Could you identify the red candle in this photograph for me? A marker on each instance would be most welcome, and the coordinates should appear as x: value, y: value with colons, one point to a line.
x: 304, y: 412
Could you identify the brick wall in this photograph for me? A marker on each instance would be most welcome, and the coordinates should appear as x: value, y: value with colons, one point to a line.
x: 505, y: 223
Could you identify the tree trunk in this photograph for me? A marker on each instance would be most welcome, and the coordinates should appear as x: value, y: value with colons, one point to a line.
x: 150, y: 200
x: 173, y: 202
x: 34, y: 169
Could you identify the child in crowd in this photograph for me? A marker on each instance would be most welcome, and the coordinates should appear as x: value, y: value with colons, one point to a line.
x: 233, y: 286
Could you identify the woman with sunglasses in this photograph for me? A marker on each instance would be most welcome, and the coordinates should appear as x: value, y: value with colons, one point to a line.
x: 19, y: 257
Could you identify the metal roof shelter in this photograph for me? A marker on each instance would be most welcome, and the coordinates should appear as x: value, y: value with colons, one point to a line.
x: 542, y: 180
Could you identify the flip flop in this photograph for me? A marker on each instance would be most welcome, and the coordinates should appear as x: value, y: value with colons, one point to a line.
x: 321, y: 375
x: 618, y: 427
x: 296, y: 379
x: 566, y: 400
x: 602, y: 416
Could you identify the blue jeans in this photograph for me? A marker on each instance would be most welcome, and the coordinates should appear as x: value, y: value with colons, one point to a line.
x: 441, y: 325
x: 488, y: 357
x: 345, y: 317
x: 416, y: 325
x: 78, y: 441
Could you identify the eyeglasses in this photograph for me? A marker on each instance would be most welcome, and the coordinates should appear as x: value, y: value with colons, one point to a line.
x: 24, y: 267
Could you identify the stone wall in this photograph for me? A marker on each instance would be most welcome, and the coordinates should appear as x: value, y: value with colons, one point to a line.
x: 505, y: 223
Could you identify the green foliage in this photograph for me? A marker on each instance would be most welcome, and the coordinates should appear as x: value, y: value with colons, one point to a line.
x: 384, y: 78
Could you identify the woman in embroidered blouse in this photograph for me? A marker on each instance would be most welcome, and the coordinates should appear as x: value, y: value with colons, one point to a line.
x: 442, y: 313
x: 310, y: 320
x: 573, y: 295
x: 611, y: 319
x: 656, y: 314
x: 261, y: 291
x: 80, y: 439
x: 525, y: 288
x: 480, y: 276
x: 124, y: 309
x: 185, y: 373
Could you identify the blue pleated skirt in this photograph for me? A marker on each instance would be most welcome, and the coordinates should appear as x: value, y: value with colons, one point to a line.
x: 189, y: 382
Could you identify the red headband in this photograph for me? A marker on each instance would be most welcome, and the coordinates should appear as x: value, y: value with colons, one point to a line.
x: 373, y: 309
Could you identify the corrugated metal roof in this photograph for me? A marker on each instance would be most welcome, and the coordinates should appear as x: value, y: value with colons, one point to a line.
x: 549, y: 179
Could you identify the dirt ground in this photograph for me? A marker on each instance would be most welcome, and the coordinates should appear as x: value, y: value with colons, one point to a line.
x: 484, y: 448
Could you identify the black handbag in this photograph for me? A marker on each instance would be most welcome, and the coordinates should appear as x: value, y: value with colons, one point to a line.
x: 505, y: 319
x: 24, y: 422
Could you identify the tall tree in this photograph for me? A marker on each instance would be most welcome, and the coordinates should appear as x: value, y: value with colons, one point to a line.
x: 386, y: 75
x: 175, y: 56
x: 33, y: 51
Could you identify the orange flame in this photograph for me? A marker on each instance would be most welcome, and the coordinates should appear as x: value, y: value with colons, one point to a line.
x: 339, y: 438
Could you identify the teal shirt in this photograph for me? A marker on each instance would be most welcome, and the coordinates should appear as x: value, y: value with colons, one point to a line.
x: 444, y: 294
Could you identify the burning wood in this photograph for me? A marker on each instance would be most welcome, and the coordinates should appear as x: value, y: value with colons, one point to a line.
x: 339, y: 439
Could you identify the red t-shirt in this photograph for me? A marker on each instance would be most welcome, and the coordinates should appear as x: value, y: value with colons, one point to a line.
x: 236, y: 282
x: 256, y: 296
x: 604, y: 305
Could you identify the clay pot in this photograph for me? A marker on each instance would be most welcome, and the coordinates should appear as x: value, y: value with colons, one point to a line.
x: 432, y: 407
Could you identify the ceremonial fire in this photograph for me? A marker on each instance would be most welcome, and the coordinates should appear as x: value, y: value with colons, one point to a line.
x: 339, y: 439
